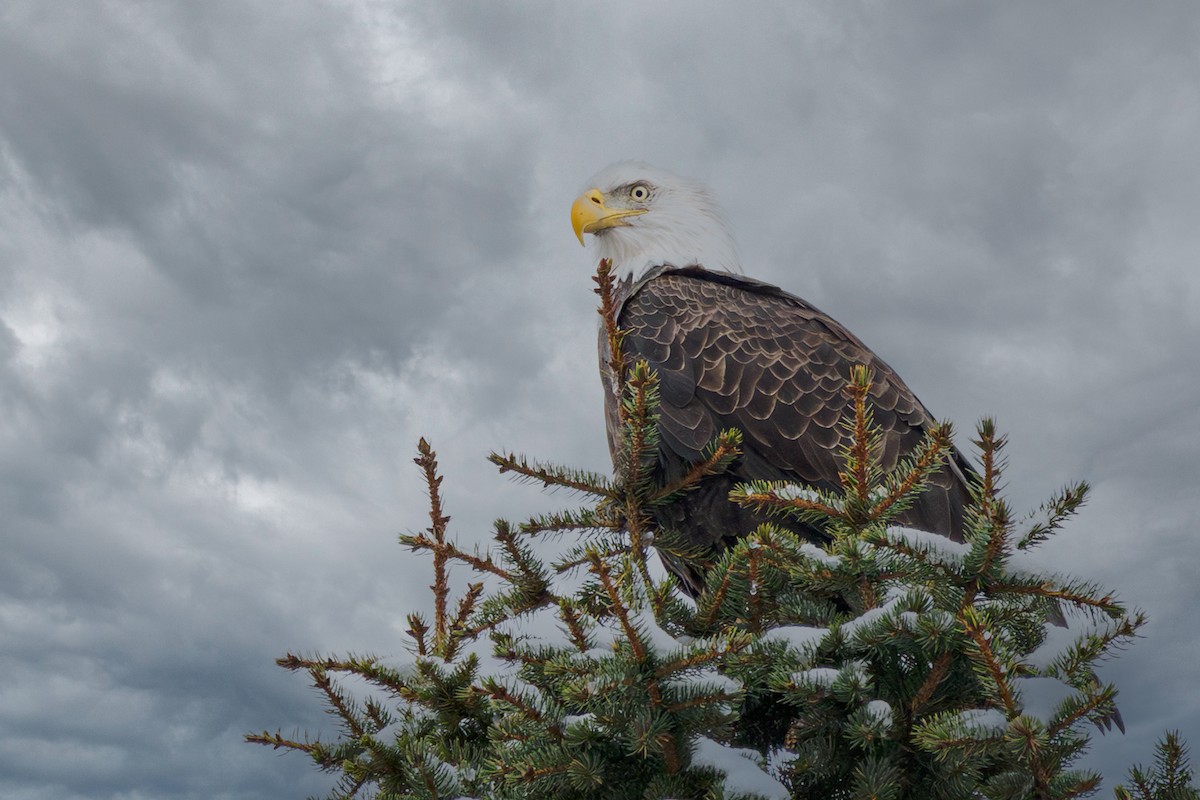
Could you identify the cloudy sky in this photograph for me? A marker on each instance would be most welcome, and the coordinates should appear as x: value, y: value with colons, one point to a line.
x: 251, y: 251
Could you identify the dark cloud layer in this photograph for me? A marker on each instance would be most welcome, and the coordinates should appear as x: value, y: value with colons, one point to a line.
x: 250, y: 252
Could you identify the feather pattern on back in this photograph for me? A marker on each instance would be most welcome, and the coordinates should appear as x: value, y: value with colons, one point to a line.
x: 731, y: 352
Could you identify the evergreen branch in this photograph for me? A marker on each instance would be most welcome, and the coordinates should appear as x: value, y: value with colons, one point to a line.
x: 367, y: 668
x: 483, y: 565
x: 323, y: 756
x: 932, y: 453
x: 600, y: 568
x: 635, y: 525
x: 755, y: 589
x: 638, y: 393
x: 420, y: 773
x: 427, y: 461
x: 642, y: 385
x: 790, y: 563
x: 1056, y: 511
x: 666, y: 743
x: 378, y: 716
x: 337, y: 700
x: 1084, y: 788
x: 498, y: 691
x: 674, y: 547
x: 1107, y: 603
x: 570, y: 618
x: 510, y: 648
x: 1073, y: 665
x: 701, y: 700
x: 417, y: 628
x: 976, y: 630
x: 948, y: 744
x: 637, y: 552
x: 717, y: 650
x: 608, y: 313
x: 293, y: 663
x: 1172, y: 762
x: 583, y: 519
x: 926, y: 556
x: 466, y: 607
x: 526, y: 578
x: 1080, y: 709
x: 612, y: 552
x: 769, y: 500
x: 352, y: 784
x: 951, y: 732
x: 725, y: 448
x: 991, y: 514
x: 933, y: 680
x: 995, y: 548
x: 500, y: 609
x: 990, y: 444
x: 868, y: 592
x: 1032, y: 749
x: 715, y: 599
x: 549, y: 475
x: 429, y: 778
x: 531, y: 774
x: 993, y: 510
x: 858, y: 457
x: 277, y: 741
x: 1171, y: 778
x: 641, y: 427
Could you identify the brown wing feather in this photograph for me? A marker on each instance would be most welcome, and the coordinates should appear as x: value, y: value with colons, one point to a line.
x: 735, y: 353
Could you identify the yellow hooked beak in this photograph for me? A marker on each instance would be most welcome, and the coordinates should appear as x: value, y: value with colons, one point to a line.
x: 589, y: 214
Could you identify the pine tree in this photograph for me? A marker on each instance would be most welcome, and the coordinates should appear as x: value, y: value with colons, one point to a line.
x: 885, y: 663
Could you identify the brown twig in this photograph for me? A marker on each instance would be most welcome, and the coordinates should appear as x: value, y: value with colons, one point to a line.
x: 995, y: 670
x: 417, y: 630
x: 857, y: 389
x: 763, y: 500
x: 466, y: 607
x: 570, y: 618
x: 427, y: 461
x: 701, y: 469
x: 934, y: 679
x: 278, y: 740
x: 498, y: 691
x: 335, y: 698
x: 608, y: 313
x: 718, y: 600
x: 618, y: 606
x: 421, y: 542
x: 733, y: 643
x: 935, y: 449
x: 514, y: 463
x: 754, y: 581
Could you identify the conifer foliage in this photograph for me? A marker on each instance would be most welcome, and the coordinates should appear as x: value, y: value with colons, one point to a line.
x: 1170, y: 779
x: 881, y: 663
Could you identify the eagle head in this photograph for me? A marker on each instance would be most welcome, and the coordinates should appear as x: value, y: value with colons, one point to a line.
x: 642, y: 217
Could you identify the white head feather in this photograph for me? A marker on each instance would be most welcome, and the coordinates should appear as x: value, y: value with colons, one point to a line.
x: 682, y: 225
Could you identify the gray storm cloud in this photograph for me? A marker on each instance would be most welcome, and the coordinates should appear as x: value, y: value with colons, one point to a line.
x: 250, y: 253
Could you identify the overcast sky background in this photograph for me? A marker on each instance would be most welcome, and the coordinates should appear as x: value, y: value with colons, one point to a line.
x: 250, y: 252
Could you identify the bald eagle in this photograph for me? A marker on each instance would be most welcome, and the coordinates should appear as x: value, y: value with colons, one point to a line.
x: 732, y: 352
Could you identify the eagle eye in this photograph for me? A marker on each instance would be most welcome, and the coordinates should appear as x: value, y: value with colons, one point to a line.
x: 639, y: 191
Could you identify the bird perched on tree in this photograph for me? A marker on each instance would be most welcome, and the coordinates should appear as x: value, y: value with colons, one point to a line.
x: 732, y: 352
